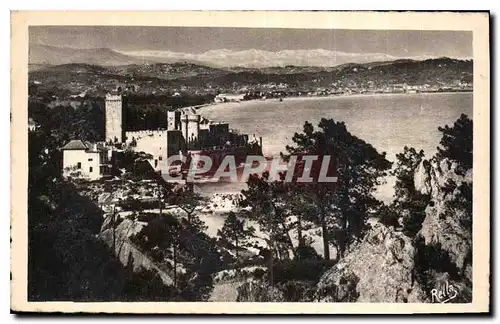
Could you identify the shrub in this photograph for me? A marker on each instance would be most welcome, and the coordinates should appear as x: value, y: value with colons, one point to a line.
x: 259, y: 274
x: 258, y: 291
x: 298, y: 291
x: 430, y: 259
x: 307, y: 252
x: 416, y: 208
x: 303, y: 270
x: 388, y: 217
x: 344, y: 291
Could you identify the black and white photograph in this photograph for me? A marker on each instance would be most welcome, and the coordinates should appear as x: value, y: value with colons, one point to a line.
x: 254, y: 164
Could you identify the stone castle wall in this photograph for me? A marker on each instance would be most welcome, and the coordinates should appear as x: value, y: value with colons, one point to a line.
x: 151, y: 142
x: 159, y: 143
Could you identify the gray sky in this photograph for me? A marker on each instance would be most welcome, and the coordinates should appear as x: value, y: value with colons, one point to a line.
x: 201, y: 39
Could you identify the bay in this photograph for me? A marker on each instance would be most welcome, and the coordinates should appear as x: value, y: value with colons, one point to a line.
x: 387, y: 121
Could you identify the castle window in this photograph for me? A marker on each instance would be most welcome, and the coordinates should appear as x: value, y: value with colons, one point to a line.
x: 156, y: 163
x: 160, y: 158
x: 79, y: 165
x: 90, y: 169
x: 90, y: 159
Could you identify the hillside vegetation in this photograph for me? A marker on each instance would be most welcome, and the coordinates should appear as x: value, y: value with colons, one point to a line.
x: 189, y: 77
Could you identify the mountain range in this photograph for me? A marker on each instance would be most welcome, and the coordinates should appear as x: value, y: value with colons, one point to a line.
x: 194, y: 77
x: 51, y: 55
x: 252, y: 58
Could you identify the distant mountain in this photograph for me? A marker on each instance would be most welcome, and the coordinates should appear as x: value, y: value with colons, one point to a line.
x: 431, y: 71
x: 36, y: 67
x: 438, y: 72
x: 221, y: 58
x: 168, y: 71
x: 254, y: 58
x: 43, y: 54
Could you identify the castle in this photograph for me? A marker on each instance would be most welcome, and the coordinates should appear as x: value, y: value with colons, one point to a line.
x: 186, y: 133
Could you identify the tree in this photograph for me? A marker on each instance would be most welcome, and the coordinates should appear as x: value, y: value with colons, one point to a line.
x: 188, y: 201
x: 172, y: 244
x: 404, y: 171
x: 341, y: 208
x: 456, y: 142
x: 457, y: 145
x: 235, y: 232
x: 270, y: 209
x: 304, y: 211
x: 409, y: 204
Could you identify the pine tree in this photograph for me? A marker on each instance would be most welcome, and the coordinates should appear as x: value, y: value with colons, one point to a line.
x: 409, y: 203
x: 188, y: 201
x: 270, y: 209
x: 404, y: 171
x: 235, y: 232
x: 456, y: 142
x: 341, y: 207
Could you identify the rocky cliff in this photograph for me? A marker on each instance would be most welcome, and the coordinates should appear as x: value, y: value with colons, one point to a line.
x: 448, y: 220
x: 388, y: 266
x: 377, y: 269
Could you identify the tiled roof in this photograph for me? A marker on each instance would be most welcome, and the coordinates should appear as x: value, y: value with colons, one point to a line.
x: 75, y: 145
x: 83, y: 145
x: 99, y: 146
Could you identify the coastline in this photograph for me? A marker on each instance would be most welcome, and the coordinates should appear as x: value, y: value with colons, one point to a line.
x: 385, y: 191
x: 307, y: 98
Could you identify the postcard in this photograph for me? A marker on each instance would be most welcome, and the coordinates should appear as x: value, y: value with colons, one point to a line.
x: 250, y: 162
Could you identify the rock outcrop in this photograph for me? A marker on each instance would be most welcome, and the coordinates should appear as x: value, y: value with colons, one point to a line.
x: 448, y: 221
x: 377, y: 269
x: 227, y: 283
x: 128, y: 254
x: 225, y: 291
x: 382, y: 268
x: 259, y: 291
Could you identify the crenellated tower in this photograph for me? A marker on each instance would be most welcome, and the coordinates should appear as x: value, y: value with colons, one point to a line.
x: 174, y: 120
x: 115, y: 131
x: 190, y: 127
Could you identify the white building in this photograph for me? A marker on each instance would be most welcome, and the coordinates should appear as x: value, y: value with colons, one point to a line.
x: 84, y: 160
x: 228, y: 97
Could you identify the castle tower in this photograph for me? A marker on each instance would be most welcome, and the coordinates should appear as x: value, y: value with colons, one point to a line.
x: 190, y: 126
x: 193, y: 126
x: 184, y: 130
x: 114, y: 119
x: 173, y: 120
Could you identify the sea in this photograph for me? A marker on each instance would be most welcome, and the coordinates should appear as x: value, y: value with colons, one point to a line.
x: 387, y: 121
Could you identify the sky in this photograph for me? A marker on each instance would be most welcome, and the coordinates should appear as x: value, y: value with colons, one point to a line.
x: 201, y: 39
